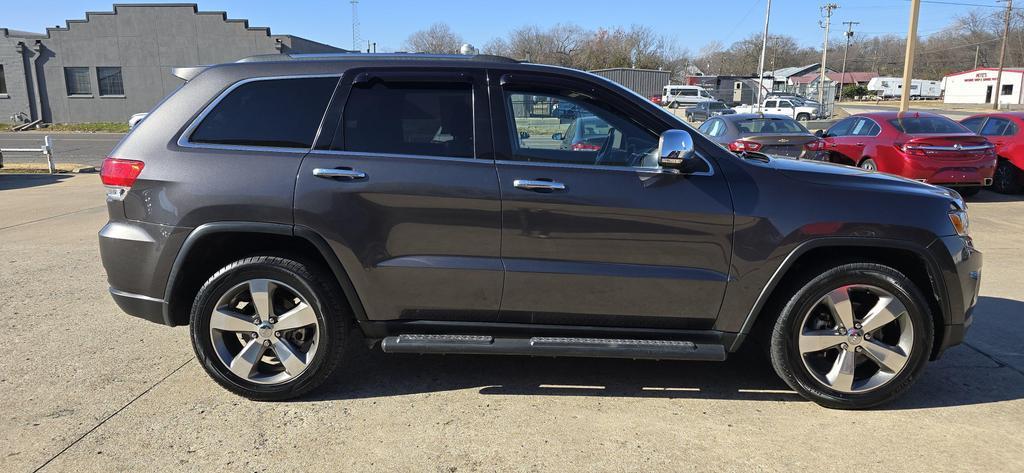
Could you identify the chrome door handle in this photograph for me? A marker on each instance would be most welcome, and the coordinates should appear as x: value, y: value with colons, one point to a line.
x: 345, y: 174
x: 858, y: 144
x: 538, y: 185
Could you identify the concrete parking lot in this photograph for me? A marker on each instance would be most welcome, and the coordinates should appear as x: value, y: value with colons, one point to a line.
x: 87, y: 388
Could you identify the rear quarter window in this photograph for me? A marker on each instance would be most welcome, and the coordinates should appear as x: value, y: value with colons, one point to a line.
x: 279, y: 113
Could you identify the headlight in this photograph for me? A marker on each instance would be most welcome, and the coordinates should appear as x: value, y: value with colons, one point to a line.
x: 960, y: 222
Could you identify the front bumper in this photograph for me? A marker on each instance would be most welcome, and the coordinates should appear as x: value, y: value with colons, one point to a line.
x: 961, y: 273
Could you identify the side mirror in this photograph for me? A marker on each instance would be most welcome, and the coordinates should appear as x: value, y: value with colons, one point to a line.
x: 819, y: 133
x: 557, y: 136
x: 675, y: 151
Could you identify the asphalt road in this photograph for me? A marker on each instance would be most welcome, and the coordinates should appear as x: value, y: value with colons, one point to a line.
x: 87, y: 388
x: 869, y: 107
x: 78, y: 148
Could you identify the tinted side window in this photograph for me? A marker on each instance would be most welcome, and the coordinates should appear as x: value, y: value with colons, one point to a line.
x: 974, y: 124
x: 997, y: 127
x: 282, y: 113
x: 431, y: 119
x: 842, y: 128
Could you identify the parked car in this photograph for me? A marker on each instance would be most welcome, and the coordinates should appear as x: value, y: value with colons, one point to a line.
x: 795, y: 98
x: 656, y: 99
x: 923, y: 146
x: 1004, y: 131
x: 675, y: 96
x: 777, y: 135
x: 567, y: 110
x: 785, y: 107
x: 272, y: 208
x: 584, y: 134
x: 705, y: 110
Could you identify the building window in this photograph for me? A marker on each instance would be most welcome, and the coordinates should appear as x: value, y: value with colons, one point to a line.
x: 1007, y: 89
x: 77, y: 81
x: 3, y: 81
x: 109, y: 80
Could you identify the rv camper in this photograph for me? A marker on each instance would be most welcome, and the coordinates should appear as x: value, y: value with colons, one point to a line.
x: 892, y: 87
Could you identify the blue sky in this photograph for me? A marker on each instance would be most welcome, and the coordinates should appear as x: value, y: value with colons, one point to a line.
x: 689, y: 23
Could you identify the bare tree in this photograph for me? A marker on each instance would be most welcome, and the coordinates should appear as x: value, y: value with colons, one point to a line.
x: 437, y: 39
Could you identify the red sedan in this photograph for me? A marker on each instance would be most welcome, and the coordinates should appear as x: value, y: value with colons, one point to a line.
x: 1004, y: 131
x: 918, y: 145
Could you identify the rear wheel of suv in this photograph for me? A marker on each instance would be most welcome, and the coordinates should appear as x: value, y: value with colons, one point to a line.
x: 1007, y: 179
x: 269, y: 328
x: 853, y: 337
x: 802, y: 117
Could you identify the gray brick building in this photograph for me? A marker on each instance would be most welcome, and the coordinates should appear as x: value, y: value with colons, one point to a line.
x: 114, y: 64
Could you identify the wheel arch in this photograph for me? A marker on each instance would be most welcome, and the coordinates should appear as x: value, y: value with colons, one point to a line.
x: 211, y: 246
x: 911, y: 259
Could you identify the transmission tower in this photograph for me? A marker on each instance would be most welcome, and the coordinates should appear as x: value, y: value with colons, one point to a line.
x: 355, y: 25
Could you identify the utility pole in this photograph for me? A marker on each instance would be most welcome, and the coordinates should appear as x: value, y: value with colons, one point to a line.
x: 764, y: 46
x: 827, y: 11
x: 977, y: 51
x: 1002, y: 54
x: 908, y: 60
x: 846, y: 52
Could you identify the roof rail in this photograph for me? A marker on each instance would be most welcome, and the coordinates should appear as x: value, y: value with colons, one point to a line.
x: 373, y: 56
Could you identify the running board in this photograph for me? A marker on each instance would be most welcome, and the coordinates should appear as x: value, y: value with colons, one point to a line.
x: 554, y: 346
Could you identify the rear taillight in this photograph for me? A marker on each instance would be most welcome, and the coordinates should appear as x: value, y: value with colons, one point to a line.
x: 816, y: 145
x: 120, y: 172
x: 119, y: 175
x: 910, y: 149
x: 740, y: 146
x: 585, y: 147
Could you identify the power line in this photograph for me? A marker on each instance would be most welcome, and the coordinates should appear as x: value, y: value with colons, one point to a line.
x: 962, y: 4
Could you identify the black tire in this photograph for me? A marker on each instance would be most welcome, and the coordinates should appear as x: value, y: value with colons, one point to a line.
x: 673, y: 105
x: 868, y: 164
x: 802, y: 117
x: 1008, y: 179
x: 968, y: 191
x: 785, y: 354
x: 311, y: 283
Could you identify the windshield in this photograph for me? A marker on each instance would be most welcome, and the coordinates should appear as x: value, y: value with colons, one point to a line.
x: 927, y: 125
x: 770, y: 125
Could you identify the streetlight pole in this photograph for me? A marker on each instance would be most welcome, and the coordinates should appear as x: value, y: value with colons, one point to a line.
x: 908, y: 60
x: 846, y: 52
x: 764, y: 46
x: 1002, y: 54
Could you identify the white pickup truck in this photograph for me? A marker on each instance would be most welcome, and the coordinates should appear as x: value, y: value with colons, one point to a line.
x: 781, y: 107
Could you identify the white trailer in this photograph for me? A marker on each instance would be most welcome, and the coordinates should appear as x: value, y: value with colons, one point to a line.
x: 892, y: 87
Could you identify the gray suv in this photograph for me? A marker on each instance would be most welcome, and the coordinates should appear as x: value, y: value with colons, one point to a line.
x: 286, y: 209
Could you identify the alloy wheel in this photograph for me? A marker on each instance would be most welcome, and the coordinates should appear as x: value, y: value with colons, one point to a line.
x: 264, y: 331
x: 856, y: 338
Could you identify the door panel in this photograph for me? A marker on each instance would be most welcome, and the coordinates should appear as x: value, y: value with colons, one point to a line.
x: 616, y: 247
x: 413, y: 217
x: 613, y: 242
x: 418, y: 236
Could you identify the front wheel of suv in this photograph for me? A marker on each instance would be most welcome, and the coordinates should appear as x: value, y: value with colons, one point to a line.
x: 269, y: 328
x: 853, y: 337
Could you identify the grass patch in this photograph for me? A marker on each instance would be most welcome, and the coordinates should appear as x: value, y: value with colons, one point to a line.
x: 97, y: 127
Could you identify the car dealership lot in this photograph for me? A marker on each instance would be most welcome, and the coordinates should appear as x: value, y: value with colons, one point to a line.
x: 88, y: 388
